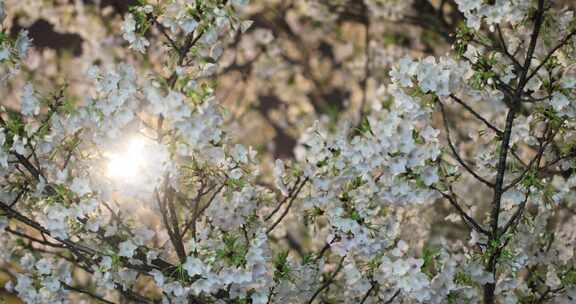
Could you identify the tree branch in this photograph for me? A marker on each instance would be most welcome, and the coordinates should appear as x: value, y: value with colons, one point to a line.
x: 455, y: 152
x: 329, y: 281
x: 465, y: 217
x: 478, y: 116
x: 292, y: 199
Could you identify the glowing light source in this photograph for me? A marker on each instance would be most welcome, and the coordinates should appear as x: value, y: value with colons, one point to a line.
x: 128, y: 163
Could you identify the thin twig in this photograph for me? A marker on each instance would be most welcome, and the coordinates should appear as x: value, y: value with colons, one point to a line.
x: 455, y: 152
x: 505, y: 51
x: 557, y: 47
x: 535, y: 160
x: 478, y: 116
x: 367, y: 62
x: 367, y: 295
x: 393, y: 297
x: 516, y: 216
x: 86, y: 292
x: 277, y: 208
x: 292, y: 199
x: 329, y: 281
x: 198, y: 213
x: 465, y: 217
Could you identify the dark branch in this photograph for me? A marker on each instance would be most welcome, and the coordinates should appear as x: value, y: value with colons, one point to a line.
x: 455, y: 152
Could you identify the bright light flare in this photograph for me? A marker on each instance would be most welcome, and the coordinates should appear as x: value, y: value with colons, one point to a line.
x: 127, y: 164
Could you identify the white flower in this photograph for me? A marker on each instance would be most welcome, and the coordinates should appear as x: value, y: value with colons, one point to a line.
x: 80, y: 186
x: 19, y: 145
x: 3, y: 159
x: 403, y: 72
x: 151, y: 256
x: 171, y: 106
x: 430, y: 176
x: 55, y: 219
x: 240, y: 154
x: 236, y: 173
x: 240, y: 2
x: 44, y: 266
x: 137, y: 42
x: 143, y: 234
x: 398, y: 166
x: 401, y: 249
x: 3, y: 154
x: 260, y: 297
x: 127, y: 277
x: 202, y: 286
x: 3, y: 223
x: 552, y: 279
x: 52, y: 284
x: 108, y: 84
x: 129, y: 24
x: 559, y: 101
x: 174, y: 288
x: 22, y: 43
x: 25, y: 289
x: 468, y: 5
x: 2, y: 12
x: 210, y: 36
x: 478, y: 274
x: 29, y: 104
x: 85, y: 207
x: 4, y: 53
x: 568, y: 80
x: 93, y: 72
x: 406, y: 275
x: 188, y: 25
x: 106, y: 263
x: 432, y: 77
x: 93, y: 224
x: 158, y: 277
x: 352, y: 274
x: 126, y: 249
x: 194, y: 266
x: 278, y: 177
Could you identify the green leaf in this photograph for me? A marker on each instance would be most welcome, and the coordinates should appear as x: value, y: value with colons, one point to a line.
x: 282, y: 267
